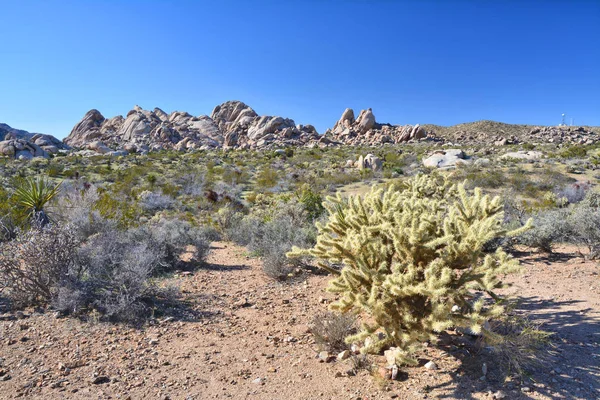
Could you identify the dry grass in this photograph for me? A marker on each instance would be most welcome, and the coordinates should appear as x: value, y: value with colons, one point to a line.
x: 518, y: 344
x: 330, y: 330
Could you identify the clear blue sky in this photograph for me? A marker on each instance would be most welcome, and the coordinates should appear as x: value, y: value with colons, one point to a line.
x: 442, y: 62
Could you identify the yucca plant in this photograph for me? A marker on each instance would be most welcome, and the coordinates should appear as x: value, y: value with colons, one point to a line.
x: 32, y: 195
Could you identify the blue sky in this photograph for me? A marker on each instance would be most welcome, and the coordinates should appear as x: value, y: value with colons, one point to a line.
x: 442, y: 62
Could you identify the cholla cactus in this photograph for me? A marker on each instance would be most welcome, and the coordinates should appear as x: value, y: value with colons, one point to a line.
x: 412, y: 261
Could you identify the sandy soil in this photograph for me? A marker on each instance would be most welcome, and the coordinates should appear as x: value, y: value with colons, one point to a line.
x: 240, y: 335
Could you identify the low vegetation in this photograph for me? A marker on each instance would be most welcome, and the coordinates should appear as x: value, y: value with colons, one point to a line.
x: 411, y: 252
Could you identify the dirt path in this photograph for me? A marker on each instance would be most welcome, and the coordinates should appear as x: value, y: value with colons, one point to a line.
x: 243, y: 336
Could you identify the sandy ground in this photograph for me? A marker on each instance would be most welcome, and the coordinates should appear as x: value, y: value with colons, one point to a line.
x: 240, y: 335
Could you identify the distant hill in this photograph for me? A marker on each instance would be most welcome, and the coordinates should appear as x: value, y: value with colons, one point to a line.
x: 486, y: 131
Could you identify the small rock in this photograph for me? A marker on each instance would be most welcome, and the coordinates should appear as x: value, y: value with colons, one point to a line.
x: 343, y: 355
x: 431, y: 365
x: 99, y: 380
x: 153, y: 342
x: 242, y: 303
x: 384, y: 372
x: 525, y: 389
x: 324, y: 356
x: 499, y: 395
x: 484, y: 369
x: 259, y: 381
x: 394, y: 374
x: 390, y: 356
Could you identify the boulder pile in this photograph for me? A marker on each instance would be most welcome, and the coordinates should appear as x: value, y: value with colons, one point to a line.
x: 365, y: 130
x: 232, y: 124
x: 28, y: 147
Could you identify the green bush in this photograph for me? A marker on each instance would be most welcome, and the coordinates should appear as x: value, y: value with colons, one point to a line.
x: 410, y: 257
x: 573, y: 152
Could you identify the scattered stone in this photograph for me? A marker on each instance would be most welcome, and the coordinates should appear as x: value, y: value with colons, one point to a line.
x: 99, y: 380
x: 242, y: 303
x: 431, y: 365
x: 343, y: 355
x: 391, y: 356
x: 325, y: 356
x: 499, y: 395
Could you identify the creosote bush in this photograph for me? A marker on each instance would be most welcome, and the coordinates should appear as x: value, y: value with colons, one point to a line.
x: 409, y: 255
x: 271, y: 230
x: 36, y: 262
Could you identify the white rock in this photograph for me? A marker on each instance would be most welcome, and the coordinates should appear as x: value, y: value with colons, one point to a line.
x: 431, y: 365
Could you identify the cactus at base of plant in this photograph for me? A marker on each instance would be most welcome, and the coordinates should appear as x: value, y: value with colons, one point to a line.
x: 409, y: 255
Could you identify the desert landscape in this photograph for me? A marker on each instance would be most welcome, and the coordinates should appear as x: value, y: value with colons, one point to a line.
x: 299, y: 200
x: 147, y: 256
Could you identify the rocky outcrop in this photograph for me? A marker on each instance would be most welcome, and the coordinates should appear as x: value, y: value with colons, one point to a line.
x: 371, y: 162
x: 242, y: 127
x: 365, y: 130
x: 231, y: 125
x: 23, y: 145
x: 446, y: 159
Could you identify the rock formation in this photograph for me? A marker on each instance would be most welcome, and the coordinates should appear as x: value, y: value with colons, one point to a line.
x: 365, y: 130
x: 23, y: 145
x: 446, y: 159
x: 231, y: 125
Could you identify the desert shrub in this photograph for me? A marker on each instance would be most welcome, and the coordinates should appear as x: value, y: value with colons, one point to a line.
x: 517, y: 343
x: 192, y: 184
x: 573, y: 193
x: 266, y: 178
x: 151, y: 179
x: 410, y: 255
x: 36, y: 262
x: 270, y: 231
x: 573, y: 152
x: 8, y: 229
x: 330, y: 330
x: 312, y: 202
x: 152, y: 201
x: 584, y: 224
x: 118, y: 207
x: 172, y: 238
x: 113, y: 276
x: 549, y: 228
x: 75, y: 207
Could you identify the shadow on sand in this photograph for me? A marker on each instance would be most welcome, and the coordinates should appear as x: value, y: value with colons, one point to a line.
x: 572, y: 370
